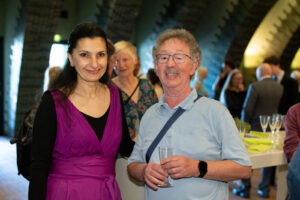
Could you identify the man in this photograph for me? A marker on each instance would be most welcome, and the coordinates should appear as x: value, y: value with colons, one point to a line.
x: 228, y: 66
x: 263, y: 98
x: 292, y: 131
x: 204, y: 137
x: 292, y: 150
x: 290, y: 86
x: 289, y: 98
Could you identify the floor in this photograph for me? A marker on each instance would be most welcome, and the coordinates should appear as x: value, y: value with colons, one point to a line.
x: 14, y: 187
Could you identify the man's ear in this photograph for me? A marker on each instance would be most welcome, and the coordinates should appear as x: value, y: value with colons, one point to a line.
x: 195, y: 64
x: 70, y: 59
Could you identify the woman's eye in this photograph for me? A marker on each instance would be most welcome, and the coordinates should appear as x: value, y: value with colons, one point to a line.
x: 83, y: 54
x: 101, y: 54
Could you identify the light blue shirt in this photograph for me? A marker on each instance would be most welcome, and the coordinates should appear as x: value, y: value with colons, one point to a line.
x: 205, y: 131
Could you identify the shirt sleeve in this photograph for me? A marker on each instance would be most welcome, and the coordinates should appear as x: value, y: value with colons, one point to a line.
x: 44, y: 135
x: 232, y: 146
x: 126, y: 144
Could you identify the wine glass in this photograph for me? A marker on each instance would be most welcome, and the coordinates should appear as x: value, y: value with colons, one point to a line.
x: 264, y: 120
x: 242, y: 129
x: 165, y: 152
x: 279, y: 121
x: 272, y: 124
x: 278, y: 139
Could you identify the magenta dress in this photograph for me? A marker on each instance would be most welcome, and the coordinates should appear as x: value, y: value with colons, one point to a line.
x: 84, y: 168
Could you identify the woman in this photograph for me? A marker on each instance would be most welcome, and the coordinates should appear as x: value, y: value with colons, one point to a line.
x: 137, y: 94
x: 200, y: 87
x: 233, y: 93
x: 79, y: 126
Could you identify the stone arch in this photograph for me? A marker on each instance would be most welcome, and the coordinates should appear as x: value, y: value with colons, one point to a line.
x: 40, y: 24
x: 122, y: 18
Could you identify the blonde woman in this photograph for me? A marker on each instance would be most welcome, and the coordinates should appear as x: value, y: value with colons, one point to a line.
x: 137, y: 94
x: 200, y: 87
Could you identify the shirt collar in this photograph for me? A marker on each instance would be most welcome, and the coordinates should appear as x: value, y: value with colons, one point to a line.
x: 186, y: 104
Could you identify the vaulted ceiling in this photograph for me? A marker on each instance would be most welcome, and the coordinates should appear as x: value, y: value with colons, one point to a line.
x: 223, y: 28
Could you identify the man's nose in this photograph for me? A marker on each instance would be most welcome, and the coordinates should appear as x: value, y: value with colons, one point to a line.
x: 171, y: 61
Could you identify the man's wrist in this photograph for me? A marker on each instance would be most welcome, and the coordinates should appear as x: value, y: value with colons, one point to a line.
x: 202, y: 166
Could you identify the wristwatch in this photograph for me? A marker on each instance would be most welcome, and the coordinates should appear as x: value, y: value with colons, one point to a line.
x: 202, y: 168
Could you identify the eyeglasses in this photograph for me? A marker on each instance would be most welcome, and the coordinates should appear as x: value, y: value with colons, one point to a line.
x: 177, y: 57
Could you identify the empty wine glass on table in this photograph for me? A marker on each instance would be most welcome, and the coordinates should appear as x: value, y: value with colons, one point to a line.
x: 278, y: 137
x: 272, y: 124
x: 279, y: 121
x: 165, y: 152
x: 242, y: 129
x: 264, y: 120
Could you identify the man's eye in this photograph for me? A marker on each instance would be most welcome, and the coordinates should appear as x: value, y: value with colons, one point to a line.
x: 163, y: 57
x: 178, y: 57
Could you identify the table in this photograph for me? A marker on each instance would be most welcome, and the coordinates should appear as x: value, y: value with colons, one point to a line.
x: 273, y: 157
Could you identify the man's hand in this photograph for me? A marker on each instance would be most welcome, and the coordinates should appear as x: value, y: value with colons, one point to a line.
x: 180, y: 166
x: 154, y: 175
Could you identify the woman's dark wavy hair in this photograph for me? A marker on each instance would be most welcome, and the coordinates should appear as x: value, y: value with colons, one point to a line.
x: 67, y: 79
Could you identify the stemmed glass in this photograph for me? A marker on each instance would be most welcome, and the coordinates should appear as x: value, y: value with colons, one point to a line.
x: 272, y: 124
x: 264, y: 120
x: 279, y: 121
x: 165, y: 152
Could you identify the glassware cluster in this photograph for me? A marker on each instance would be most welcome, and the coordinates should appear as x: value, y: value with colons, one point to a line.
x: 275, y: 122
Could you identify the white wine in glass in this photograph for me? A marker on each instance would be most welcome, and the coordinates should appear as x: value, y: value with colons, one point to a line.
x: 165, y: 152
x: 264, y: 120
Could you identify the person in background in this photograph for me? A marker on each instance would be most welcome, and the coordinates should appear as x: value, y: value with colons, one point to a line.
x: 137, y: 94
x: 79, y: 126
x: 200, y: 87
x: 111, y: 71
x: 290, y: 86
x: 228, y: 66
x: 293, y: 176
x: 296, y: 75
x: 207, y: 149
x: 233, y: 93
x: 155, y: 82
x: 263, y: 98
x: 292, y: 131
x: 291, y: 149
x: 27, y: 126
x: 53, y: 74
x: 288, y: 99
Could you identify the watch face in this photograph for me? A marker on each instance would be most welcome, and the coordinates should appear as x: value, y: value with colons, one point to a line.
x: 202, y: 168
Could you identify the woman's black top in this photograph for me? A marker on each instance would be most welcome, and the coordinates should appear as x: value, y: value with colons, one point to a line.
x: 44, y: 139
x: 234, y: 102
